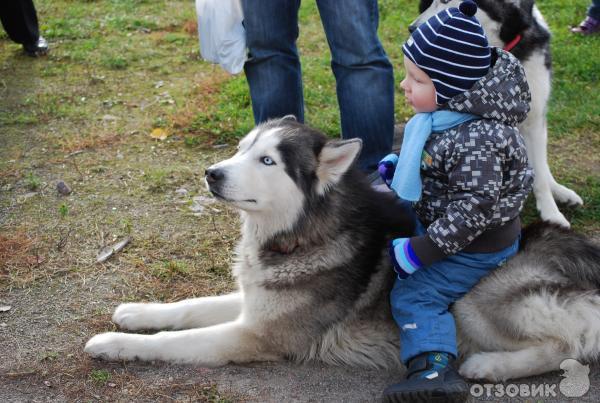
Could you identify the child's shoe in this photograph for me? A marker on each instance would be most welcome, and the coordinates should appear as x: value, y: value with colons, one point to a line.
x: 588, y: 26
x: 430, y: 378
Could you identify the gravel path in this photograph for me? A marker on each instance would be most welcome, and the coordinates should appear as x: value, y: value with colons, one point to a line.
x: 44, y: 332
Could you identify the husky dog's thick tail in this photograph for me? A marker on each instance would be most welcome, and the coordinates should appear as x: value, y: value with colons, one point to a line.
x: 314, y: 277
x: 569, y: 253
x: 541, y: 308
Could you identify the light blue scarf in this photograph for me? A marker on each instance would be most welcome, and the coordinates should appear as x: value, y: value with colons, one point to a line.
x: 407, y: 177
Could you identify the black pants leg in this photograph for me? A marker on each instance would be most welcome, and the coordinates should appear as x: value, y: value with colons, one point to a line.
x: 19, y: 19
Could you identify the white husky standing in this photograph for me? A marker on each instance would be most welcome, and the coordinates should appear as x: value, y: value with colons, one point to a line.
x: 518, y: 26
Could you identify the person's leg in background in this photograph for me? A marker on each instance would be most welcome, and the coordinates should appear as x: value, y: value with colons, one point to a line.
x: 591, y: 23
x: 19, y: 19
x: 594, y: 9
x: 364, y: 76
x: 273, y: 67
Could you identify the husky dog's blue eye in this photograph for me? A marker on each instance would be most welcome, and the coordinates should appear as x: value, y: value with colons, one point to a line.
x: 267, y: 161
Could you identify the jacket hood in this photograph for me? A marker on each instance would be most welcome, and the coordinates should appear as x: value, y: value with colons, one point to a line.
x: 503, y: 94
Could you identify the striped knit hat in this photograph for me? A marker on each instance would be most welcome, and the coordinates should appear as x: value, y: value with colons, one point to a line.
x: 451, y: 47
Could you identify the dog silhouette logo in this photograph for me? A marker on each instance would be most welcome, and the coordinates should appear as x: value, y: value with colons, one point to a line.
x: 577, y: 381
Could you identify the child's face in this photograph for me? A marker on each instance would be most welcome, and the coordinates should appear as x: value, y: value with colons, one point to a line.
x: 418, y: 88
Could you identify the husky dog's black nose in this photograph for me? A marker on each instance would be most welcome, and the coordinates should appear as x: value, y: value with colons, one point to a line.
x: 213, y: 175
x: 412, y: 28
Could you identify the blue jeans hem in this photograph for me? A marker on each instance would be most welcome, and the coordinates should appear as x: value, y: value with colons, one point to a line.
x: 407, y: 354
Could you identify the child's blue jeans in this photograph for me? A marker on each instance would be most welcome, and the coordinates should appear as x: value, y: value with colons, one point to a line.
x: 363, y: 73
x: 420, y: 303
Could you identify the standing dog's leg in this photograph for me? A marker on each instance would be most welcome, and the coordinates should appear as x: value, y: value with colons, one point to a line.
x: 186, y: 314
x: 209, y: 346
x: 565, y: 195
x: 535, y: 133
x: 501, y: 366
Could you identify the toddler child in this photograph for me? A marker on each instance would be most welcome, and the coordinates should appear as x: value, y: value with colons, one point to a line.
x: 463, y: 167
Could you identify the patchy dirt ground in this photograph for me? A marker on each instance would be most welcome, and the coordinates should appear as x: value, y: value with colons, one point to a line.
x: 41, y: 360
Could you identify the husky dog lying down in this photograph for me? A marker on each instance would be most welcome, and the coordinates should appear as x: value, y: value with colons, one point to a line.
x: 314, y: 277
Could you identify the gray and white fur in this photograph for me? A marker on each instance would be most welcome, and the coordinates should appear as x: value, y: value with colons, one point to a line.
x: 314, y: 277
x: 502, y: 21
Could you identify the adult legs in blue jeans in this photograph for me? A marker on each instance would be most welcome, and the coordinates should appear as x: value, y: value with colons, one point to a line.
x: 273, y: 68
x: 364, y: 75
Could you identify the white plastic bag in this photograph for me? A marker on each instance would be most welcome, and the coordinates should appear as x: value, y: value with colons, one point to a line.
x: 222, y: 35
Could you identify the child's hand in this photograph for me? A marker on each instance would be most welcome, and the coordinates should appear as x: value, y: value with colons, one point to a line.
x: 403, y: 257
x: 387, y: 167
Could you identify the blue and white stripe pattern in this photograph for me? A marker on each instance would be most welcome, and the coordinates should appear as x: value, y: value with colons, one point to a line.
x: 451, y: 47
x: 403, y: 257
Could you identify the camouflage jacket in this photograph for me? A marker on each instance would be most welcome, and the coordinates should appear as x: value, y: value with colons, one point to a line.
x: 476, y: 175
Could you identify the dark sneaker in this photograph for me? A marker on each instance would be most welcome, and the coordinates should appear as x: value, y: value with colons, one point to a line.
x: 588, y: 26
x: 430, y: 378
x: 36, y: 49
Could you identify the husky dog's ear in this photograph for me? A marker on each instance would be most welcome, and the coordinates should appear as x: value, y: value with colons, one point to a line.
x: 335, y: 159
x: 517, y: 18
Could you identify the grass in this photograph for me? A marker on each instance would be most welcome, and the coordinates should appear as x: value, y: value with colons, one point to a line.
x: 79, y: 379
x: 100, y: 376
x: 119, y: 69
x: 33, y: 181
x: 63, y: 210
x: 575, y: 103
x: 169, y: 269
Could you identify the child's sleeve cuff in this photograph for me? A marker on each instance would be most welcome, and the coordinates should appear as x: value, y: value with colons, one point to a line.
x: 425, y: 250
x: 393, y: 158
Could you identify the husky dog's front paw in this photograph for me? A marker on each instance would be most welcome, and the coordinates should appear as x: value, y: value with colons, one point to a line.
x: 482, y: 366
x: 549, y: 211
x: 111, y: 346
x: 565, y: 195
x: 136, y: 316
x: 556, y: 218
